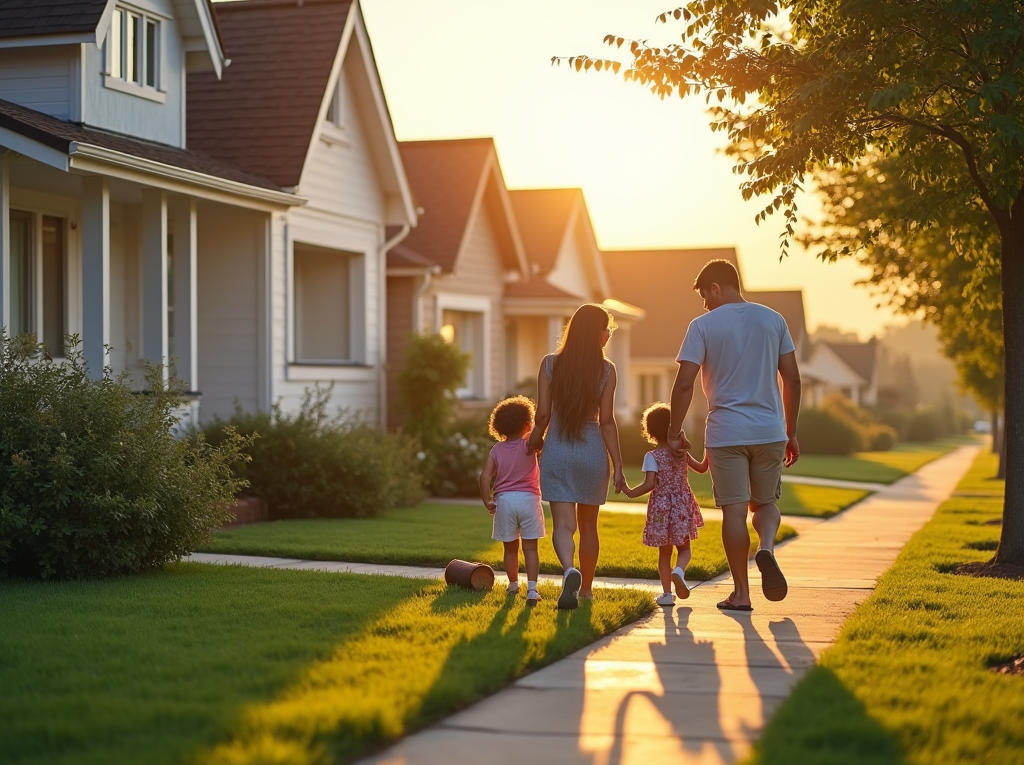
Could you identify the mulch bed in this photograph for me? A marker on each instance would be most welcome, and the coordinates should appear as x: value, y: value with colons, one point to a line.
x: 992, y: 570
x: 1015, y: 667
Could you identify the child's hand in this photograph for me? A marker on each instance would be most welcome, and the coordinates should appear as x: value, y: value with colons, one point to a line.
x: 491, y: 505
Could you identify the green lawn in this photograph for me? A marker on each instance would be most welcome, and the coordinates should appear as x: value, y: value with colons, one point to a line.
x: 432, y: 535
x: 797, y: 499
x: 908, y: 680
x: 208, y: 664
x: 981, y: 478
x: 876, y: 467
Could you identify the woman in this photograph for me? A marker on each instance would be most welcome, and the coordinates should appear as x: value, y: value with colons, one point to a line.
x: 576, y: 396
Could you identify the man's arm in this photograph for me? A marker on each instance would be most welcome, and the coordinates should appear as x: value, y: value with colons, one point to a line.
x: 791, y: 389
x: 682, y: 395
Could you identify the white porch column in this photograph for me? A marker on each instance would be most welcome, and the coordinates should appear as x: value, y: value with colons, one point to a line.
x: 95, y: 273
x: 154, y: 277
x: 186, y: 345
x: 5, y: 239
x: 555, y: 326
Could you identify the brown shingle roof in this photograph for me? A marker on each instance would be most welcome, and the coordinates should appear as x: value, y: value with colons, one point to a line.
x: 58, y: 134
x: 790, y: 303
x: 661, y: 282
x: 537, y: 287
x: 543, y: 217
x: 860, y: 357
x: 444, y: 176
x: 31, y: 18
x: 262, y: 113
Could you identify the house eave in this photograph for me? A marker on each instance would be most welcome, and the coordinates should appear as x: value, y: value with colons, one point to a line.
x: 39, y: 41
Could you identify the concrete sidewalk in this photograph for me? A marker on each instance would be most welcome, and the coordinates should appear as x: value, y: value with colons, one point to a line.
x: 691, y: 684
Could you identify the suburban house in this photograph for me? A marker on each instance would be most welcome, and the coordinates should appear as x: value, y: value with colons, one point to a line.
x: 302, y: 105
x: 566, y: 270
x: 111, y: 226
x: 850, y: 369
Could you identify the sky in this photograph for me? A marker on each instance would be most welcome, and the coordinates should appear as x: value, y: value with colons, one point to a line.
x: 652, y: 171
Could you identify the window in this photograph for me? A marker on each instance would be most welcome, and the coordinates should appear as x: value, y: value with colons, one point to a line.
x: 336, y: 109
x: 323, y: 304
x: 39, y: 278
x: 133, y: 48
x: 465, y: 329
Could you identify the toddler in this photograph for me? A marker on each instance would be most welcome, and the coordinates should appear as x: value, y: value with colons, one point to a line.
x: 673, y: 515
x: 515, y: 501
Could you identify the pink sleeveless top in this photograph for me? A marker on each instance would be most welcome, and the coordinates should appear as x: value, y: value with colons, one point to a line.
x: 516, y: 467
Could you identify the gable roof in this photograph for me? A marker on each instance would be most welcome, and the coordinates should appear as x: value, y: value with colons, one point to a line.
x: 860, y: 357
x: 32, y: 18
x: 543, y: 216
x: 453, y: 180
x: 262, y: 114
x: 789, y: 303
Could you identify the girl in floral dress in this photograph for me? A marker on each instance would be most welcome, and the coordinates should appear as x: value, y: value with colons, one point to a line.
x: 673, y: 515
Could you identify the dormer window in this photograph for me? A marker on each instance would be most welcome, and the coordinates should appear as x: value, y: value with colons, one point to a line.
x: 133, y: 52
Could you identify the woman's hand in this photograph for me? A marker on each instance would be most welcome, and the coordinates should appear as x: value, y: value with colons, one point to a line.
x: 620, y: 480
x: 678, y: 444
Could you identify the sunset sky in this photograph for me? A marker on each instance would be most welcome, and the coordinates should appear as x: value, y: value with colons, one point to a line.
x: 650, y: 169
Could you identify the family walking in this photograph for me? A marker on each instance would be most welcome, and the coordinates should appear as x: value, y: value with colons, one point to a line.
x: 741, y: 350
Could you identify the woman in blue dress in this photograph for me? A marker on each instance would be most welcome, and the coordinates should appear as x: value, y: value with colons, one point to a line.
x: 576, y: 405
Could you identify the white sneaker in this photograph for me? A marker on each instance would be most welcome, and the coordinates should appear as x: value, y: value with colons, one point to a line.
x: 666, y: 599
x: 570, y: 589
x: 513, y: 588
x: 532, y: 597
x: 682, y: 591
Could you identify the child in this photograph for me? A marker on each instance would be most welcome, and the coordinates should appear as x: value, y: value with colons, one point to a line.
x: 515, y: 503
x: 673, y: 515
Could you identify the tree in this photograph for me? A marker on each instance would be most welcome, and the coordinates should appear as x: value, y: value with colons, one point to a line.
x: 806, y: 85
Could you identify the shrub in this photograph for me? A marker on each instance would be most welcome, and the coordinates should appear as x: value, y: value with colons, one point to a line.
x: 309, y: 465
x: 822, y: 432
x: 431, y: 373
x: 93, y: 481
x: 458, y: 461
x: 923, y: 426
x: 881, y: 438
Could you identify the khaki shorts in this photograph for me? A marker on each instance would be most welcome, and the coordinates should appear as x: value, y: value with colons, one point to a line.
x: 742, y: 474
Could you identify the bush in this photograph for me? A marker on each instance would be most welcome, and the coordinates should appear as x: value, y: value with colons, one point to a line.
x: 458, y: 461
x: 923, y: 426
x: 822, y: 432
x: 93, y: 481
x: 432, y: 371
x: 881, y: 438
x: 309, y: 465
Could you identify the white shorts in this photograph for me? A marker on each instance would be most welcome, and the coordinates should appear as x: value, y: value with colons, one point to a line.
x: 518, y: 514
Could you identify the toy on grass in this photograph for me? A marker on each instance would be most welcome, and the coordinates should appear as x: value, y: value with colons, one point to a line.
x: 472, y: 576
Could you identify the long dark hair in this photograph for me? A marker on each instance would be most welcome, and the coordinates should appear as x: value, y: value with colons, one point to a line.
x: 578, y: 369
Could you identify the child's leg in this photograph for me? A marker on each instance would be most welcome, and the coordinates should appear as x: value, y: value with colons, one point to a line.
x: 684, y: 555
x: 512, y: 561
x: 532, y: 559
x: 665, y: 567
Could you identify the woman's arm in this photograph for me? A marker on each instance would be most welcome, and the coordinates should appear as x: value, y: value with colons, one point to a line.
x: 609, y: 430
x: 542, y: 418
x: 650, y: 477
x: 700, y: 467
x: 486, y: 476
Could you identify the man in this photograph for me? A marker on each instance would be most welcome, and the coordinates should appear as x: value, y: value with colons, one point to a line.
x: 740, y: 349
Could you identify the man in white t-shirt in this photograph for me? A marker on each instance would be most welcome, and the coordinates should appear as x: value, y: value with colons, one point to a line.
x: 741, y: 349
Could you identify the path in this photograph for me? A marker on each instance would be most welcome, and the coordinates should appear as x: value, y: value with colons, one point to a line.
x: 690, y: 684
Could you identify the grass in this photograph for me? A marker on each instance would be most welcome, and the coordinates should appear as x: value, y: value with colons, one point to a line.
x: 876, y: 467
x: 797, y: 499
x: 432, y: 535
x: 980, y: 479
x: 908, y: 680
x: 207, y: 664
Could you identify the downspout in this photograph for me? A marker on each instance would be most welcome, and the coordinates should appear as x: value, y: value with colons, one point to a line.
x: 382, y: 378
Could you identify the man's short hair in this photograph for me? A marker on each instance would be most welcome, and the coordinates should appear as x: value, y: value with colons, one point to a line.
x: 720, y: 272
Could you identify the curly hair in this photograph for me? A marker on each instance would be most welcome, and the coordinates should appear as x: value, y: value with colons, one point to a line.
x: 654, y: 422
x: 510, y: 417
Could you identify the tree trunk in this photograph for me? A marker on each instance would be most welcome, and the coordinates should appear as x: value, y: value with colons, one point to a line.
x: 1001, y: 472
x: 1011, y: 542
x: 995, y: 431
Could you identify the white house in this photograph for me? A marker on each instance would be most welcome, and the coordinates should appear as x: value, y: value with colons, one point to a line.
x: 301, y: 104
x: 850, y: 369
x: 108, y: 219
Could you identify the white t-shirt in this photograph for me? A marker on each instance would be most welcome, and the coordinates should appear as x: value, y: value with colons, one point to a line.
x: 738, y: 346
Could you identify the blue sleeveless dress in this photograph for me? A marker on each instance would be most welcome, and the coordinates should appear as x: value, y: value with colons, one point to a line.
x: 574, y: 471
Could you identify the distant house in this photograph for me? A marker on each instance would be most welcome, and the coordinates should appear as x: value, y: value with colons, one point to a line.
x: 789, y: 303
x: 111, y: 225
x: 566, y: 270
x: 449, y: 275
x: 302, y: 105
x: 850, y: 369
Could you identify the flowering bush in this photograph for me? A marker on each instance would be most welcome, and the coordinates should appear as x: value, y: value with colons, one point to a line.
x: 458, y: 462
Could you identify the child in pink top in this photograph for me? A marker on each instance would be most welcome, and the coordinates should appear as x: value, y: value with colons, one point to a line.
x: 673, y: 515
x: 514, y: 501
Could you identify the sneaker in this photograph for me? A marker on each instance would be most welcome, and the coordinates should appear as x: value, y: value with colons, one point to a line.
x: 682, y: 591
x: 666, y: 599
x: 532, y: 598
x: 513, y: 588
x: 570, y: 588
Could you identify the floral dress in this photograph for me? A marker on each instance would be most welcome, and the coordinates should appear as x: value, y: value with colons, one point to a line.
x: 673, y: 515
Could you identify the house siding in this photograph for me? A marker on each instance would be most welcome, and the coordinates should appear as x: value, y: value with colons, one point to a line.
x: 569, y: 273
x: 229, y: 244
x: 39, y: 78
x: 134, y: 115
x: 400, y: 295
